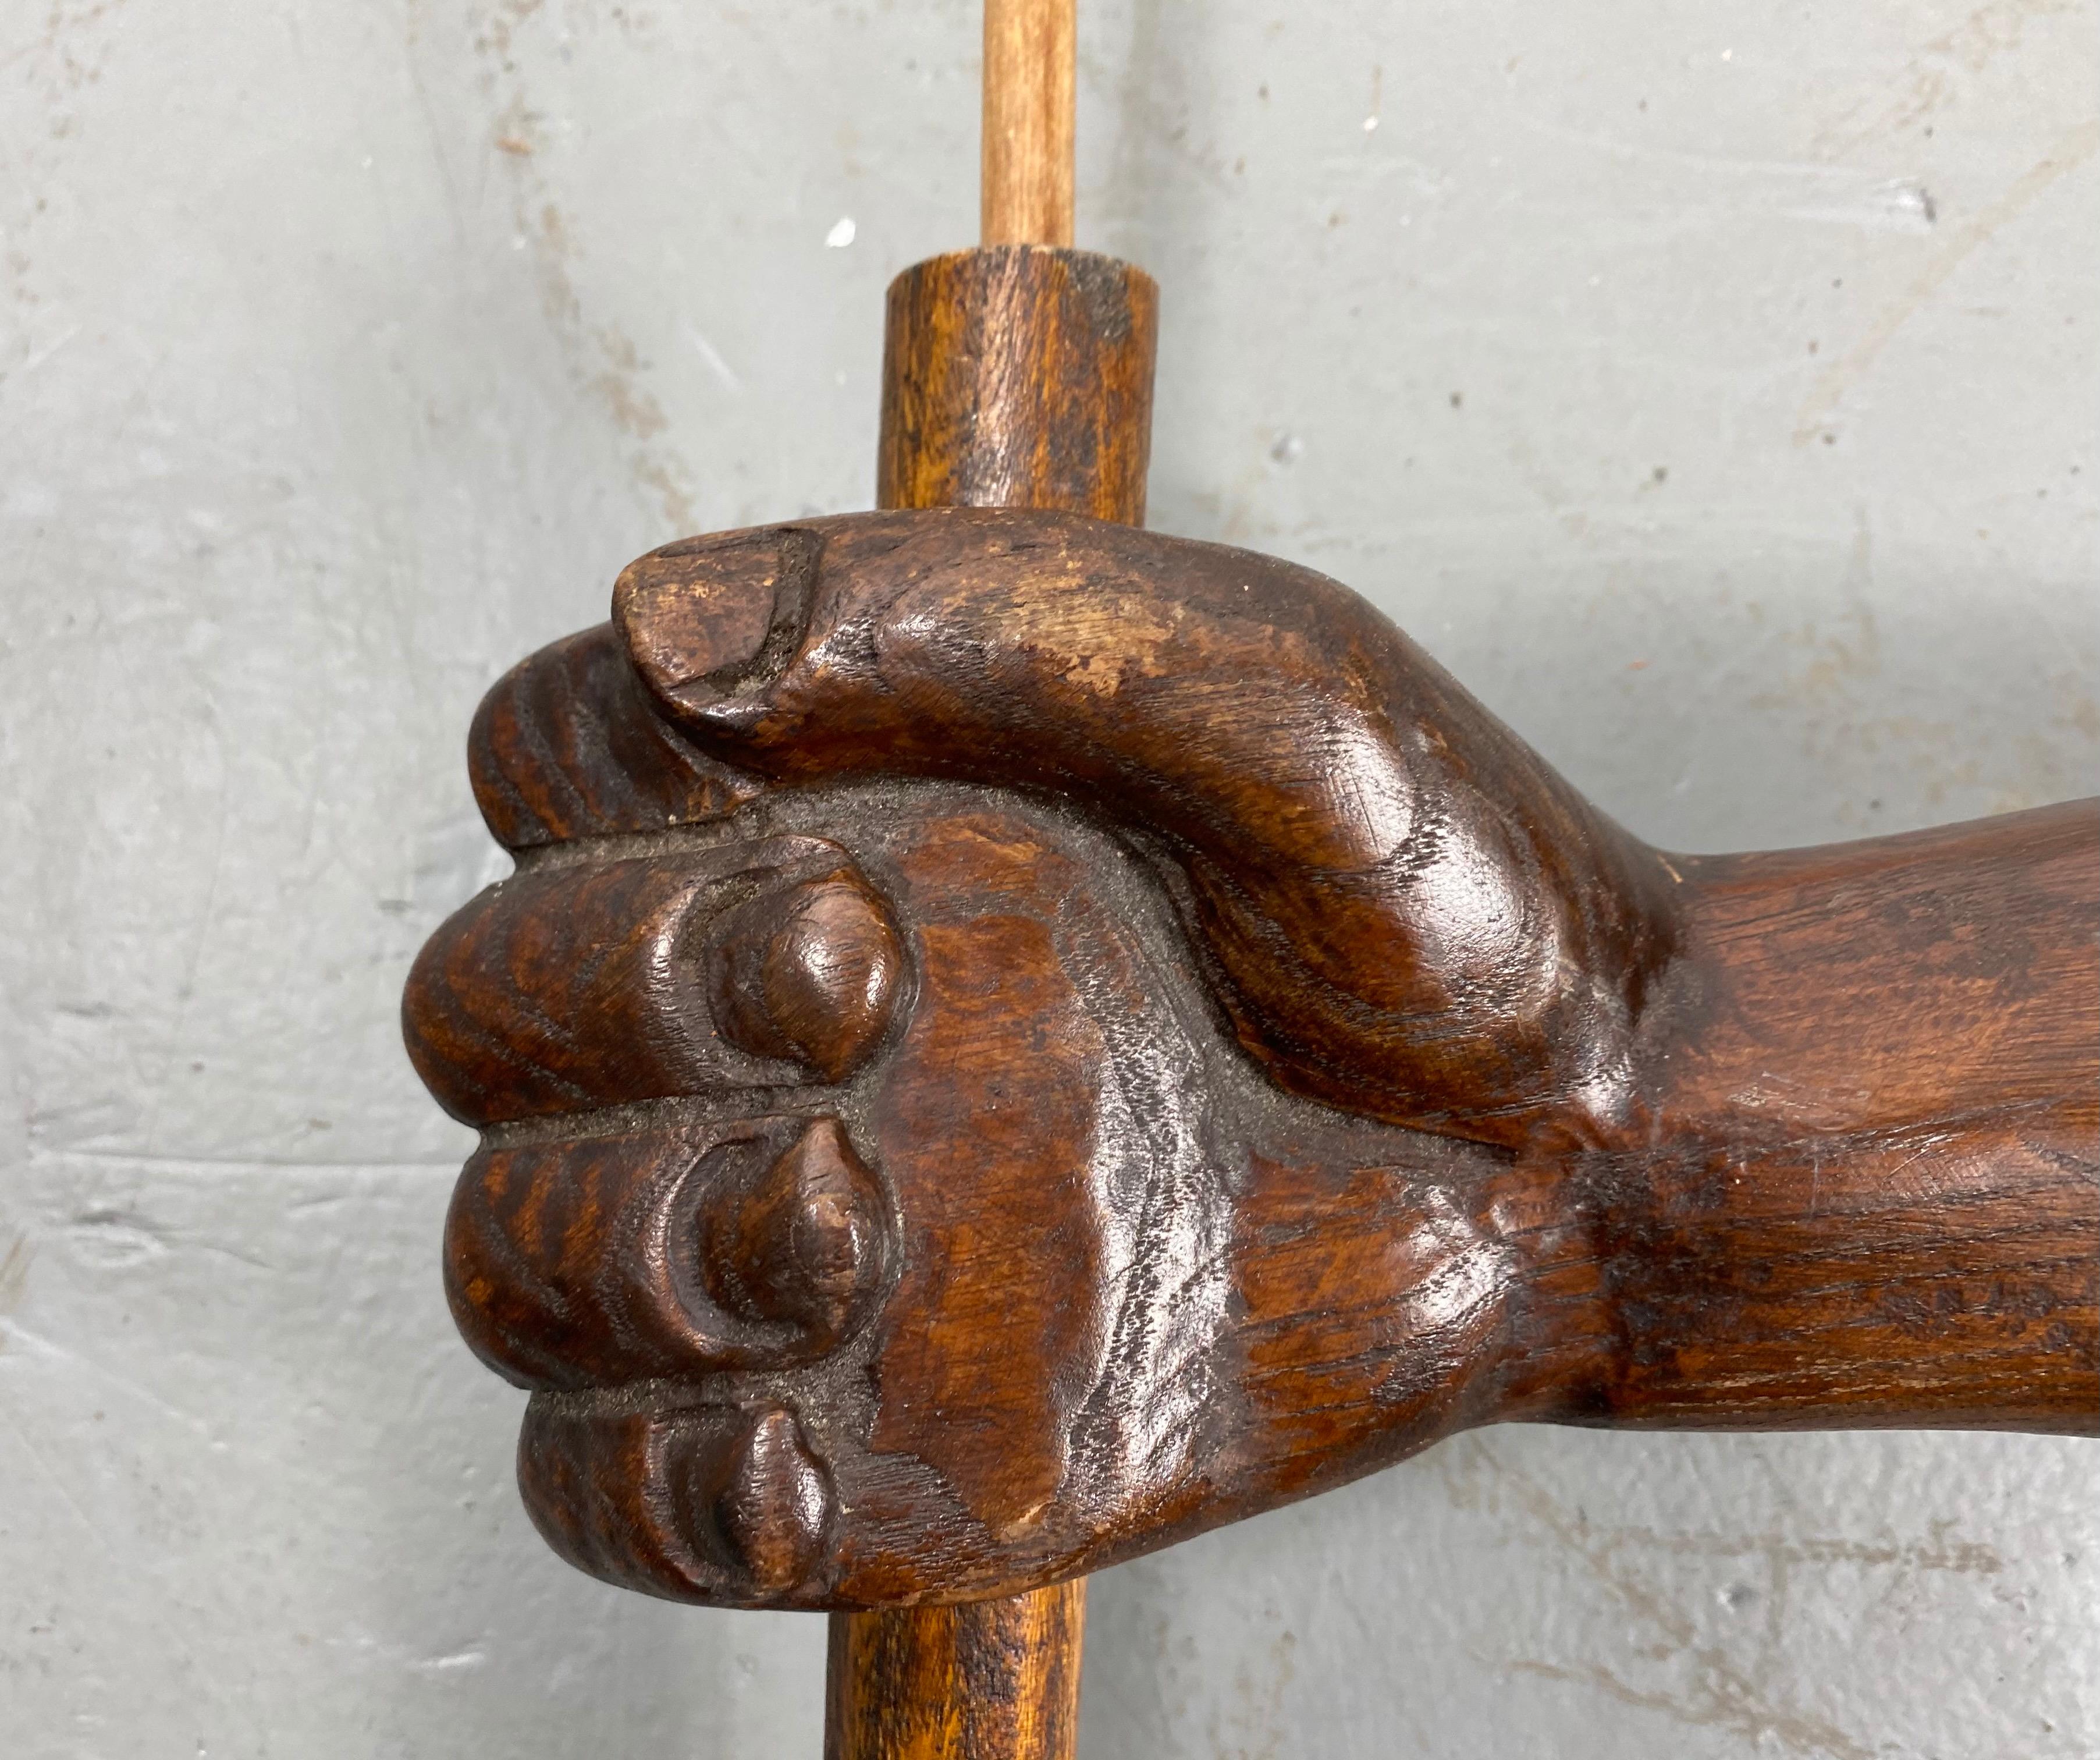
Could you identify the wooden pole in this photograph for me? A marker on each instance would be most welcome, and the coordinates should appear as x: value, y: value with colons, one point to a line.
x: 1030, y: 76
x: 990, y: 1680
x: 1016, y: 375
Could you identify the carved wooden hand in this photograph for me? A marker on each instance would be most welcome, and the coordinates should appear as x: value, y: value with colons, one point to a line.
x: 877, y: 1189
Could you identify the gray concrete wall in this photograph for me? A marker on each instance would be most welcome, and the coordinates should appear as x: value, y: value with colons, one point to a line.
x: 1712, y: 387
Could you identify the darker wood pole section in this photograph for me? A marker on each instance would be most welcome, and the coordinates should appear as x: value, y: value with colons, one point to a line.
x: 1015, y: 376
x: 1019, y: 376
x: 990, y: 1680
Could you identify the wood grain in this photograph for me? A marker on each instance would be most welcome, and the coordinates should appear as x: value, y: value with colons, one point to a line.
x: 1820, y: 1125
x: 1361, y: 848
x: 982, y: 1681
x: 1030, y: 76
x: 566, y: 746
x: 1019, y: 377
x: 1014, y: 376
x: 761, y: 963
x: 1059, y: 1274
x: 1152, y: 1047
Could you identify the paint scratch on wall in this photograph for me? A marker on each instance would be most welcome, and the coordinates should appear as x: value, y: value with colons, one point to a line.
x: 602, y: 357
x: 1932, y: 77
x: 15, y: 1272
x: 2071, y: 149
x: 1720, y: 1693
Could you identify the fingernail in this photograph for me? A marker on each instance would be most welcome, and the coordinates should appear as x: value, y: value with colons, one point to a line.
x: 710, y: 619
x: 803, y: 1242
x: 809, y: 972
x: 772, y: 1512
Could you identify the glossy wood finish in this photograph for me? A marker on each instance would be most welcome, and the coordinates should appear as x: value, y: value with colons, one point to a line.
x: 1411, y: 915
x: 1869, y: 1195
x: 1019, y: 377
x: 1151, y: 1193
x: 1030, y: 80
x: 981, y: 1681
x: 1015, y: 1042
x: 1016, y: 377
x: 566, y: 746
x: 796, y: 980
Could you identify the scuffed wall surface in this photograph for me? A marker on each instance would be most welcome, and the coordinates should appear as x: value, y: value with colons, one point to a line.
x: 1713, y: 389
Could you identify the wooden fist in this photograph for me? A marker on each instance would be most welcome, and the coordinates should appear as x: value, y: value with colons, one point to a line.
x: 1014, y: 1041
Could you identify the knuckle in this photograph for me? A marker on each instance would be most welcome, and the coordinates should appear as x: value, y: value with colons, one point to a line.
x: 678, y: 1255
x: 566, y: 745
x: 561, y: 990
x: 810, y: 974
x: 721, y: 1504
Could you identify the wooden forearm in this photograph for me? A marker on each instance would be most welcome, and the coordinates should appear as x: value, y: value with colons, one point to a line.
x: 1868, y: 1190
x: 1864, y: 1186
x: 1939, y: 1276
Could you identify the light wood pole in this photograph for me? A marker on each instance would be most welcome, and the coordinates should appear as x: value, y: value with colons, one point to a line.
x: 1030, y: 79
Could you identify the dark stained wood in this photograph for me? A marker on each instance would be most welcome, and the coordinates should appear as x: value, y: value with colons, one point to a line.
x: 799, y: 1242
x: 1084, y: 1281
x: 983, y: 1681
x: 759, y: 964
x: 810, y: 975
x: 566, y: 746
x: 1152, y: 1047
x: 1410, y: 914
x: 678, y: 1248
x: 1868, y: 1191
x: 1019, y: 376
